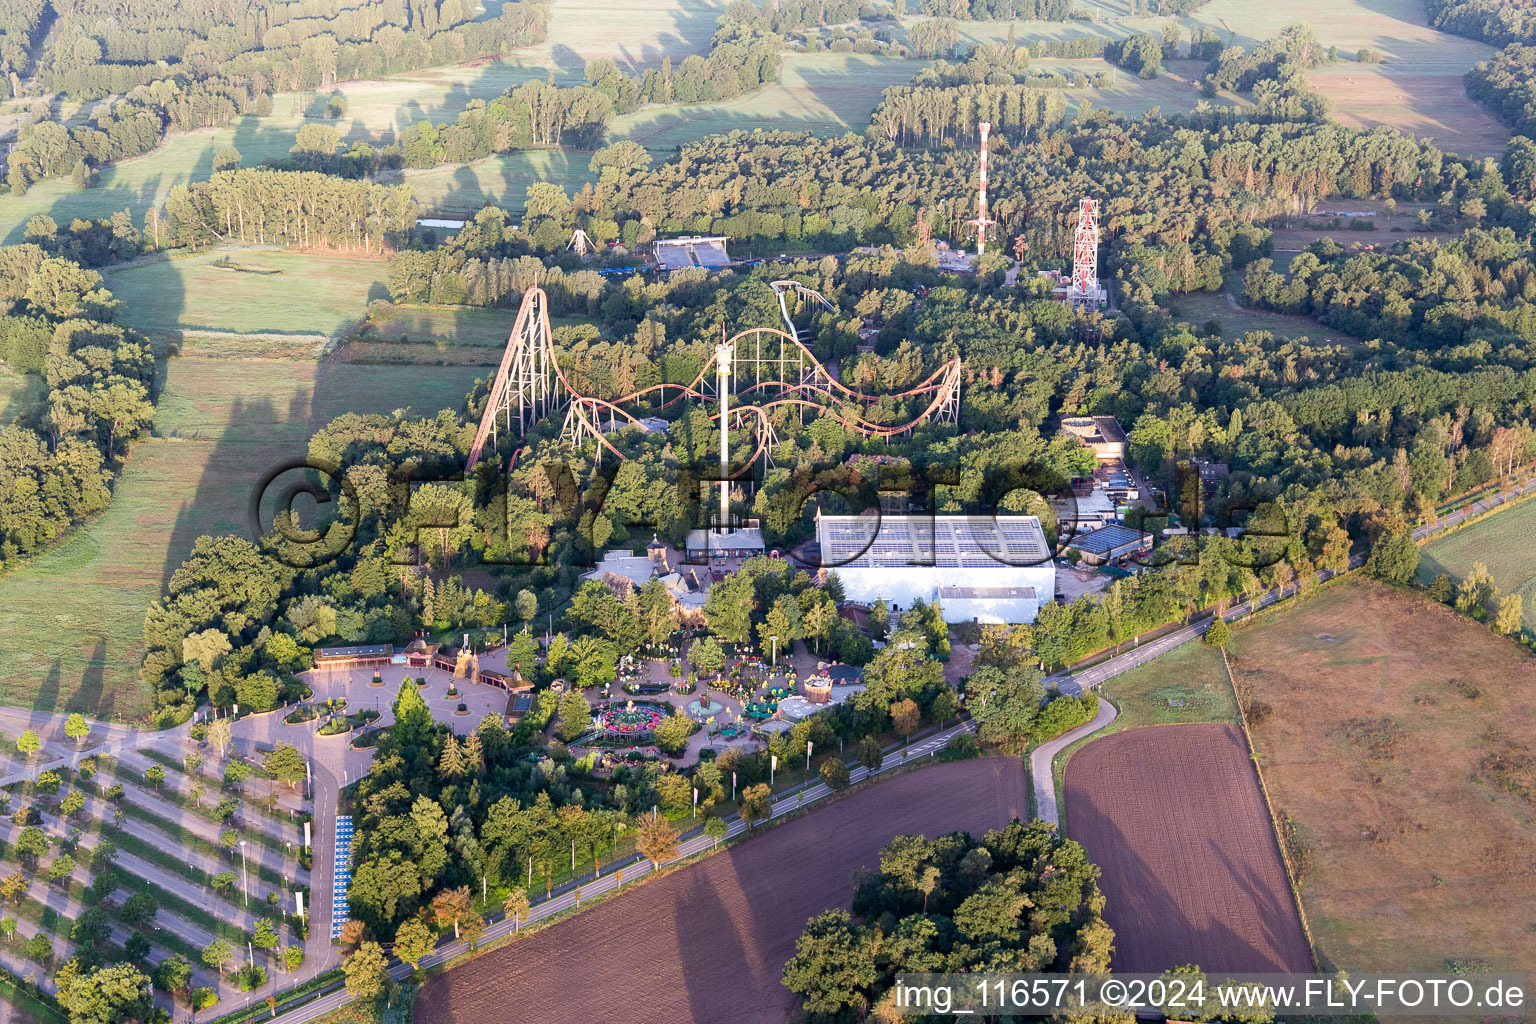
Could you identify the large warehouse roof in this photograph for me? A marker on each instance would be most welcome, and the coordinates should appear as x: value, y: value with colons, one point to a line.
x: 1106, y: 539
x: 969, y: 542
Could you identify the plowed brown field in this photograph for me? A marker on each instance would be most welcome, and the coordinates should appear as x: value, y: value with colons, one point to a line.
x: 708, y: 942
x: 1174, y: 818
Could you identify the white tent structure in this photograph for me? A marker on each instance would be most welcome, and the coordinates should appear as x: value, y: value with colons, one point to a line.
x: 980, y: 568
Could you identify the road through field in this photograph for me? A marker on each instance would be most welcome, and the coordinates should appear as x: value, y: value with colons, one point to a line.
x: 708, y: 942
x: 1075, y: 682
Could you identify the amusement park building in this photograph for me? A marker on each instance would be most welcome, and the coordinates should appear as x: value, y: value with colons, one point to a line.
x: 980, y: 568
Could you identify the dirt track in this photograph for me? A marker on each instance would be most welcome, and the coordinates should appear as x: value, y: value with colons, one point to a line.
x: 1174, y: 818
x: 707, y: 943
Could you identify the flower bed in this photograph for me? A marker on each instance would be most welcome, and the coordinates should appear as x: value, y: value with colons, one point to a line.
x: 310, y: 712
x: 631, y: 721
x: 742, y: 691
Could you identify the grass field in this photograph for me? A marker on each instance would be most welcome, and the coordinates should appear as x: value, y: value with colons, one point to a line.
x: 632, y: 34
x: 21, y: 394
x: 1236, y: 320
x: 1173, y: 92
x: 462, y: 327
x: 313, y: 294
x: 498, y: 179
x: 1502, y: 542
x: 1399, y: 738
x: 137, y: 184
x: 828, y: 93
x: 70, y: 621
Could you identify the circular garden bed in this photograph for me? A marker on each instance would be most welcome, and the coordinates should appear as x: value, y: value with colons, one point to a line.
x: 630, y: 722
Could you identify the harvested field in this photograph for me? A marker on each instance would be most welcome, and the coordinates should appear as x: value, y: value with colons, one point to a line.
x: 1432, y: 106
x: 1174, y: 818
x: 707, y: 942
x: 1399, y: 740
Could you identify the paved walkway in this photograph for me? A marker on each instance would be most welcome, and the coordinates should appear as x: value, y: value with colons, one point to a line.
x: 1043, y: 756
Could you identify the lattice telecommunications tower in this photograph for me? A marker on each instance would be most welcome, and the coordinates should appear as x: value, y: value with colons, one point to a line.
x: 1085, y: 259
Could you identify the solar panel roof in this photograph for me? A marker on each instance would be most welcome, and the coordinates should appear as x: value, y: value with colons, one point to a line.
x: 979, y: 542
x: 1105, y: 539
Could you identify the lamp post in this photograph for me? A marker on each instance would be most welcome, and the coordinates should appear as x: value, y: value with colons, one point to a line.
x: 773, y: 658
x: 245, y: 874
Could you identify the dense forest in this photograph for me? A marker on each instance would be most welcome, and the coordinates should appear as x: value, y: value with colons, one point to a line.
x: 1020, y: 899
x: 910, y: 115
x: 1494, y: 21
x: 292, y: 208
x: 57, y: 466
x: 998, y: 10
x: 1506, y: 84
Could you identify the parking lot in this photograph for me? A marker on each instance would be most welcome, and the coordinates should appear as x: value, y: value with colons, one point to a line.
x: 342, y: 876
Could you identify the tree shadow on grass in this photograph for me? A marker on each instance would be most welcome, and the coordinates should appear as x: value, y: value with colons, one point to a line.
x: 92, y: 697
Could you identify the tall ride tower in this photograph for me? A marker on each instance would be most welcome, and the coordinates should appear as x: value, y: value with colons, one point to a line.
x: 723, y: 353
x: 1085, y: 259
x: 981, y: 220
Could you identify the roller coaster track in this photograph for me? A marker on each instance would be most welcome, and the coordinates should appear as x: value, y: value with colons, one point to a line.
x: 530, y: 386
x: 782, y: 290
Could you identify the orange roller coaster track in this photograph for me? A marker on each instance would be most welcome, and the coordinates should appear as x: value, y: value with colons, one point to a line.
x: 531, y: 386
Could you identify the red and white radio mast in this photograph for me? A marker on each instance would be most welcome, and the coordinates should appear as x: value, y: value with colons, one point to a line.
x: 981, y: 220
x: 1085, y: 258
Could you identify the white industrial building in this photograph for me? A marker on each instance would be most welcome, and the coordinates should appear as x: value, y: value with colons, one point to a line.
x: 979, y: 568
